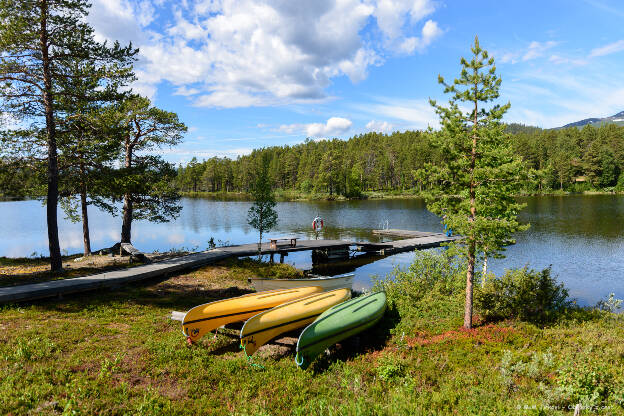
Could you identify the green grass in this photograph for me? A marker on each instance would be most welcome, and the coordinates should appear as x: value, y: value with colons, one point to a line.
x: 117, y: 353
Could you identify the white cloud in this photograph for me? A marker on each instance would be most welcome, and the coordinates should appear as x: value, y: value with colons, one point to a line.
x: 409, y: 114
x: 379, y: 126
x: 563, y: 60
x: 534, y: 50
x: 430, y: 32
x: 392, y: 15
x: 185, y: 91
x: 537, y: 49
x: 608, y: 49
x: 239, y: 53
x: 333, y: 127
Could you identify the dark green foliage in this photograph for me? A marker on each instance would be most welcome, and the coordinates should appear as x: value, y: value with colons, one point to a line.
x: 620, y: 184
x: 150, y: 181
x: 523, y: 294
x: 377, y: 162
x: 262, y: 215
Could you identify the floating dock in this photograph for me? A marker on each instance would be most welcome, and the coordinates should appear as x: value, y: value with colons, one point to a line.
x: 321, y: 249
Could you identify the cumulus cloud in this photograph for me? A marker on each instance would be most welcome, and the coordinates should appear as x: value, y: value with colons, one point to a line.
x: 430, y: 32
x: 239, y: 53
x: 333, y: 127
x: 379, y: 126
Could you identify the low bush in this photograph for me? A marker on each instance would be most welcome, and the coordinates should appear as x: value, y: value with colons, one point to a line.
x: 524, y: 294
x: 433, y: 277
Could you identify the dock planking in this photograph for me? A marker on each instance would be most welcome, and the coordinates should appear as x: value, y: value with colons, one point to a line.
x: 404, y: 233
x: 112, y: 279
x: 418, y: 240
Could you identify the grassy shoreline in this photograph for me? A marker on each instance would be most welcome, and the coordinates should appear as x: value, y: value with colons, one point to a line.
x: 117, y: 352
x: 408, y: 194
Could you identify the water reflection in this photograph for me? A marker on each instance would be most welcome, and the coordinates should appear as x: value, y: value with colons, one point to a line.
x: 581, y: 236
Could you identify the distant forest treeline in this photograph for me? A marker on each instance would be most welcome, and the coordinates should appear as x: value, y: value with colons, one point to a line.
x: 567, y: 159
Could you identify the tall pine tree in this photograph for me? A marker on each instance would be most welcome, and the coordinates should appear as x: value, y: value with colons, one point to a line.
x: 473, y: 187
x: 39, y: 42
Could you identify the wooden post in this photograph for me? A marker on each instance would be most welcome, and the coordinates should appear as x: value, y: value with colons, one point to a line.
x: 282, y: 258
x: 272, y: 254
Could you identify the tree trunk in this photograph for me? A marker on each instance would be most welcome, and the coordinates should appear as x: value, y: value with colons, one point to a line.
x: 469, y: 281
x: 56, y: 262
x: 126, y: 226
x: 85, y: 220
x: 473, y: 214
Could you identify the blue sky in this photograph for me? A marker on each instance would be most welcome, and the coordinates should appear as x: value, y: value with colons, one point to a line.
x: 244, y: 74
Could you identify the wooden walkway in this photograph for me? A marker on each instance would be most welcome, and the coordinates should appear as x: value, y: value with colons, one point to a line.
x: 59, y: 288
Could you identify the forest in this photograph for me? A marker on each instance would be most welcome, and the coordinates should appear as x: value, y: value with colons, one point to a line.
x: 568, y: 160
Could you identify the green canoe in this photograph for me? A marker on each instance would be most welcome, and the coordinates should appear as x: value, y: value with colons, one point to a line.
x: 337, y: 323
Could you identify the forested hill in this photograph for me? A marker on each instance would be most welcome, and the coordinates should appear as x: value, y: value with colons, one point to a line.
x: 616, y: 119
x: 569, y: 159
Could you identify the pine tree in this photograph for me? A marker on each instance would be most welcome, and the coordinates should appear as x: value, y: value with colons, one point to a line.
x: 39, y: 41
x: 87, y: 139
x: 474, y: 186
x: 262, y: 215
x: 146, y: 181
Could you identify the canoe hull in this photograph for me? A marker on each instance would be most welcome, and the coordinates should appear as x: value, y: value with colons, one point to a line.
x: 337, y: 324
x: 204, y: 318
x: 327, y: 283
x: 268, y: 325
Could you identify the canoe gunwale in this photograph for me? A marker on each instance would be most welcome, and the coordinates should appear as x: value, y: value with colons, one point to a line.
x: 278, y: 325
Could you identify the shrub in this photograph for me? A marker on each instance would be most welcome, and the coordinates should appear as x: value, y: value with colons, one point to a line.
x: 433, y: 277
x: 588, y: 383
x: 524, y: 294
x: 611, y: 304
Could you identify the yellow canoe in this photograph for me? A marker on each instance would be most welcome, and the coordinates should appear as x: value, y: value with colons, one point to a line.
x: 267, y: 325
x: 209, y: 316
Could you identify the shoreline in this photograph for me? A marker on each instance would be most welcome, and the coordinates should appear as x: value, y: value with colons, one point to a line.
x: 303, y: 197
x: 292, y: 197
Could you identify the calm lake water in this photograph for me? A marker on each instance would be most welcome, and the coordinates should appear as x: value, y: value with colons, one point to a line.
x: 581, y: 236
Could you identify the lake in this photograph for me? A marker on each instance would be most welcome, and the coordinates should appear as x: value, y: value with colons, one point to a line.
x: 580, y: 235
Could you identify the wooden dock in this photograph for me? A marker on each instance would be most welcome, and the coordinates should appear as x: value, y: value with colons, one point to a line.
x: 323, y: 248
x: 116, y: 278
x: 417, y: 240
x: 404, y: 233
